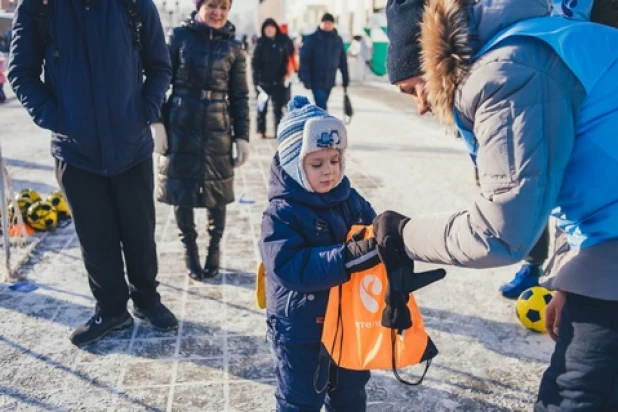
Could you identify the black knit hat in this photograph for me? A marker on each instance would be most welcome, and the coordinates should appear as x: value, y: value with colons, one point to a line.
x: 328, y: 17
x: 403, y: 28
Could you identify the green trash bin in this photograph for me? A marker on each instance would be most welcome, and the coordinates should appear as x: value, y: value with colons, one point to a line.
x: 380, y: 50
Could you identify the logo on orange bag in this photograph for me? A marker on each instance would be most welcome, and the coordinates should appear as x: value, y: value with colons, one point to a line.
x: 367, y: 298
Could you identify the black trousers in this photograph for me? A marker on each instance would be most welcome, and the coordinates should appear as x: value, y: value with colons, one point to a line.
x: 186, y: 224
x: 277, y: 97
x: 114, y: 218
x: 583, y: 374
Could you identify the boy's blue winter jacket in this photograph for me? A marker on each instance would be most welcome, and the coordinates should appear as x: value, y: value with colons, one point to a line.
x: 302, y: 248
x: 94, y: 98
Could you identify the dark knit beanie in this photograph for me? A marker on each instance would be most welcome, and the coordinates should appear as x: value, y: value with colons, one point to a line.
x: 328, y: 17
x: 403, y: 27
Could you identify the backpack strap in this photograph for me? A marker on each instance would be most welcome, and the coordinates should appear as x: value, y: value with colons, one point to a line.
x: 135, y: 22
x: 41, y: 18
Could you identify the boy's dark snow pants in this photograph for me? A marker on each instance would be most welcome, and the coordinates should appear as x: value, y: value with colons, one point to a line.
x: 295, y: 366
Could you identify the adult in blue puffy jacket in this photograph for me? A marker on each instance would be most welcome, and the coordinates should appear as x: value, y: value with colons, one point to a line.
x: 104, y: 83
x: 532, y: 90
x: 321, y: 55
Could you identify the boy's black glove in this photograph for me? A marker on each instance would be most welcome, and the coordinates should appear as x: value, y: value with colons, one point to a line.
x: 360, y: 253
x: 388, y: 229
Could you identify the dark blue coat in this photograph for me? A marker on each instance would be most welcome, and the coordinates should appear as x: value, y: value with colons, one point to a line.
x: 320, y: 57
x: 302, y: 248
x: 94, y: 98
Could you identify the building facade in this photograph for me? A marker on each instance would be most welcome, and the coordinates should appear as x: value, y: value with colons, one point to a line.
x: 303, y: 16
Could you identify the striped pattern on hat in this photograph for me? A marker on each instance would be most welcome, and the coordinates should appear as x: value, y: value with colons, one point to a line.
x: 306, y: 128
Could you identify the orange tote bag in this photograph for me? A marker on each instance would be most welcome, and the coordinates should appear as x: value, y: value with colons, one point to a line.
x: 353, y: 336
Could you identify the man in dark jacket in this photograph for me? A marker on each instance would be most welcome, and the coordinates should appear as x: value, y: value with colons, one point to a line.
x: 320, y: 57
x: 98, y: 107
x: 269, y: 65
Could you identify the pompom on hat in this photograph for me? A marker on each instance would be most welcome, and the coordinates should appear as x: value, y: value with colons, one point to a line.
x: 305, y: 129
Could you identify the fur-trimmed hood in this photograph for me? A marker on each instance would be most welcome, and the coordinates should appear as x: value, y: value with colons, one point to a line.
x: 453, y: 31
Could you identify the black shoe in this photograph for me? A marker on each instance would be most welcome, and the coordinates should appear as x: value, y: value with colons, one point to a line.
x: 160, y: 317
x: 98, y: 326
x: 211, y: 268
x: 192, y: 261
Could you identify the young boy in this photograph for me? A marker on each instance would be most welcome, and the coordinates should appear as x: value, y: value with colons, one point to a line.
x: 304, y: 249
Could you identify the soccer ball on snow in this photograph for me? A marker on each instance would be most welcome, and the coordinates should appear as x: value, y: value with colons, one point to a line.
x: 57, y: 200
x: 24, y: 199
x: 530, y: 307
x: 42, y: 215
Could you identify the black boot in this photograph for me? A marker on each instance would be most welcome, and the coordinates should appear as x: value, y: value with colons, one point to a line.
x: 211, y: 268
x: 188, y: 236
x: 216, y: 225
x: 192, y: 261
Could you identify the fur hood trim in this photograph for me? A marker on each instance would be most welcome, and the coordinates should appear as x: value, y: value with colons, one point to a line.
x: 446, y: 53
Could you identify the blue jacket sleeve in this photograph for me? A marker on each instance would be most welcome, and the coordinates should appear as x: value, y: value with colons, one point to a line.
x: 27, y: 54
x: 291, y: 262
x: 306, y: 57
x: 156, y: 61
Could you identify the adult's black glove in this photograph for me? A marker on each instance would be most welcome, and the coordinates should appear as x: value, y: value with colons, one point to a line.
x: 360, y: 254
x: 388, y: 229
x: 401, y: 282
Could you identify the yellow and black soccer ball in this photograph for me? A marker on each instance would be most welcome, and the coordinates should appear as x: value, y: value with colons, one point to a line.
x: 42, y: 215
x: 530, y: 308
x: 25, y: 199
x: 59, y: 202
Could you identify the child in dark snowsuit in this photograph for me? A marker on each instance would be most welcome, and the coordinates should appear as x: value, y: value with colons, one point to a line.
x: 305, y: 252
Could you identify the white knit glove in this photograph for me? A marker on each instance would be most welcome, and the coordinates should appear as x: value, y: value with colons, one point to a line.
x: 160, y: 138
x: 242, y: 152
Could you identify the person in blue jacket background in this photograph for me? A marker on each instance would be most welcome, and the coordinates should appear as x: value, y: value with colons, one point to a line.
x: 98, y: 106
x: 304, y: 249
x: 321, y: 55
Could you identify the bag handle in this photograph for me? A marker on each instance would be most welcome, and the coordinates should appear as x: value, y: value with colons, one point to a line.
x: 396, y: 373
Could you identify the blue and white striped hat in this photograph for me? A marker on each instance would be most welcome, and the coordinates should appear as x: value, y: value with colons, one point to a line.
x: 306, y: 129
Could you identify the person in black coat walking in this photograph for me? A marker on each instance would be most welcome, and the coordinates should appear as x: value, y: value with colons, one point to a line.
x: 206, y: 115
x: 269, y: 66
x: 321, y: 55
x: 94, y: 100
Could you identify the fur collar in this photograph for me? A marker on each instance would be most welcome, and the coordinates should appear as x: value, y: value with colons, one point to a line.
x: 446, y: 53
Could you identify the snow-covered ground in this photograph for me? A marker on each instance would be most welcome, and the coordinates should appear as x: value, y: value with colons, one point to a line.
x: 218, y: 360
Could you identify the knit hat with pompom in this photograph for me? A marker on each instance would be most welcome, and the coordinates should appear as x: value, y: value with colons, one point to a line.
x: 306, y: 129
